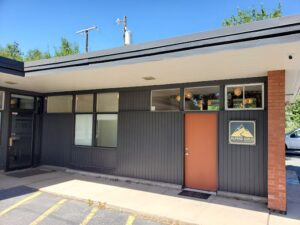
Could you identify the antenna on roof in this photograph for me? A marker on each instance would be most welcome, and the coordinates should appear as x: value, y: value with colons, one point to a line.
x: 86, y: 31
x: 126, y: 32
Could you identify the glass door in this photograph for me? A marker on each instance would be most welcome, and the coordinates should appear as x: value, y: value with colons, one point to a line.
x: 20, y: 146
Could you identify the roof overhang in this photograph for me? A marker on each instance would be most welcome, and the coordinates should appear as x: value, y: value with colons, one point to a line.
x: 248, y: 50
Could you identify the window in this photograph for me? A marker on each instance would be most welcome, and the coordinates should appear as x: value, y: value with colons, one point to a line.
x: 107, y: 130
x: 84, y: 103
x: 202, y: 98
x: 2, y: 99
x: 165, y: 100
x: 21, y: 102
x: 244, y: 97
x: 59, y: 104
x: 108, y: 102
x: 83, y: 129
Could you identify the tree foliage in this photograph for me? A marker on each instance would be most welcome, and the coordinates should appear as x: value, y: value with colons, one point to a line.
x: 12, y: 51
x: 251, y: 15
x: 292, y: 115
x: 36, y: 54
x: 66, y: 48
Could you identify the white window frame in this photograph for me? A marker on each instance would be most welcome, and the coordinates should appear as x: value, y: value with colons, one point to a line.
x: 166, y: 89
x: 243, y: 86
x: 200, y: 87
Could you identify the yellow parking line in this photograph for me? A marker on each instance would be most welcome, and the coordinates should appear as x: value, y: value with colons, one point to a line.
x: 90, y: 216
x: 130, y: 220
x: 21, y: 202
x: 56, y: 206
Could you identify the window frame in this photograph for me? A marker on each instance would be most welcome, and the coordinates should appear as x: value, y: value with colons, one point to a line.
x: 165, y: 89
x: 94, y: 114
x: 198, y: 110
x: 243, y: 86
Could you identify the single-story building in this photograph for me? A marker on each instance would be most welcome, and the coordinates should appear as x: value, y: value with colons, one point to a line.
x: 205, y: 111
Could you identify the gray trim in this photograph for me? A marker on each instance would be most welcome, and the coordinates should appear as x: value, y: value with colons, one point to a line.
x: 272, y: 31
x: 11, y: 66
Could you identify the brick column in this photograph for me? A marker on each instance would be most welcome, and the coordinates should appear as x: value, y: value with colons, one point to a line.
x: 276, y: 141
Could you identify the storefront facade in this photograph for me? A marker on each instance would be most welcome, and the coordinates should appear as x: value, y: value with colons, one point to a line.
x: 206, y: 127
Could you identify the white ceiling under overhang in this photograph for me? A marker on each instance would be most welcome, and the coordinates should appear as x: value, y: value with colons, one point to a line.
x: 227, y: 64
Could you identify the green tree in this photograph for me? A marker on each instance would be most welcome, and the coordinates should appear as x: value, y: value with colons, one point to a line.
x: 251, y: 15
x: 66, y: 48
x: 292, y: 115
x: 12, y: 51
x: 36, y: 54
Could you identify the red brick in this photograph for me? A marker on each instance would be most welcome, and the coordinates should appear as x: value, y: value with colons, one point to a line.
x: 276, y: 145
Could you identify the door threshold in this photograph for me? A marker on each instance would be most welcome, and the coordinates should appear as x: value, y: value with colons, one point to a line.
x: 200, y: 191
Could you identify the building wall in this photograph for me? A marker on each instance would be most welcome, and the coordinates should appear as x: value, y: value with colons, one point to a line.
x: 151, y: 146
x: 243, y: 168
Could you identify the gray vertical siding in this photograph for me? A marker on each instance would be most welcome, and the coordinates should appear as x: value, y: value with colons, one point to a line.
x: 150, y: 146
x: 57, y: 138
x: 135, y: 100
x: 243, y: 169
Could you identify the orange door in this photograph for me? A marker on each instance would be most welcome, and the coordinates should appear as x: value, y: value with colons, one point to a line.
x: 201, y: 151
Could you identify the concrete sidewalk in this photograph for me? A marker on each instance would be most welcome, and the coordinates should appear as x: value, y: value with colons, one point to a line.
x: 158, y: 202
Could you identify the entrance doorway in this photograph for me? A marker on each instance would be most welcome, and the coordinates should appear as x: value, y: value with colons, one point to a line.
x: 20, y: 146
x: 201, y: 151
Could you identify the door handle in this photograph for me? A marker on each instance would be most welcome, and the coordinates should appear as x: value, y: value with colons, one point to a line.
x: 10, y: 142
x: 186, y: 153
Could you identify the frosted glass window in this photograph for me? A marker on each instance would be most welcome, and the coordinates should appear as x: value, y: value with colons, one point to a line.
x: 108, y: 102
x: 2, y: 97
x: 83, y: 129
x: 59, y: 104
x: 107, y: 130
x: 84, y: 103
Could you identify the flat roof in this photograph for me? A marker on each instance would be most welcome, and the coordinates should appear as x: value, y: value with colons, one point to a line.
x: 266, y: 29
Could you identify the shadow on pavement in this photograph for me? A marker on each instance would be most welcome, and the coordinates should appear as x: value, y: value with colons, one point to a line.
x: 15, y: 192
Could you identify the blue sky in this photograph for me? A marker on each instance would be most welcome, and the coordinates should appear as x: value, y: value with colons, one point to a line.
x: 42, y: 23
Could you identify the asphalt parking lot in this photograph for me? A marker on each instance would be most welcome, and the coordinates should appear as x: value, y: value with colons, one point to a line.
x: 23, y: 205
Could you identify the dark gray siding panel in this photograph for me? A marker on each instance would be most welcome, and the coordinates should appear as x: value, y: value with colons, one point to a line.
x: 56, y: 139
x: 135, y: 100
x: 150, y: 146
x: 94, y: 159
x: 243, y: 169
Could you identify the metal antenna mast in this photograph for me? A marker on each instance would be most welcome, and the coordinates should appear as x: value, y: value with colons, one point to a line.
x: 86, y: 32
x: 124, y: 22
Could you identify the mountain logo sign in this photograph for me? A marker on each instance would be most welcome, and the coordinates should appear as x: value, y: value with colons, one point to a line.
x: 242, y: 132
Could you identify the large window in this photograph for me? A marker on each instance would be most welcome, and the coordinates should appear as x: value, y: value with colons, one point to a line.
x: 202, y: 98
x: 103, y: 117
x: 83, y: 129
x: 107, y: 130
x: 165, y: 100
x: 244, y: 97
x: 59, y: 104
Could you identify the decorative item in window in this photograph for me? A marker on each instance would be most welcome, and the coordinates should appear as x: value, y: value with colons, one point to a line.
x: 242, y: 132
x: 247, y: 96
x: 202, y: 98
